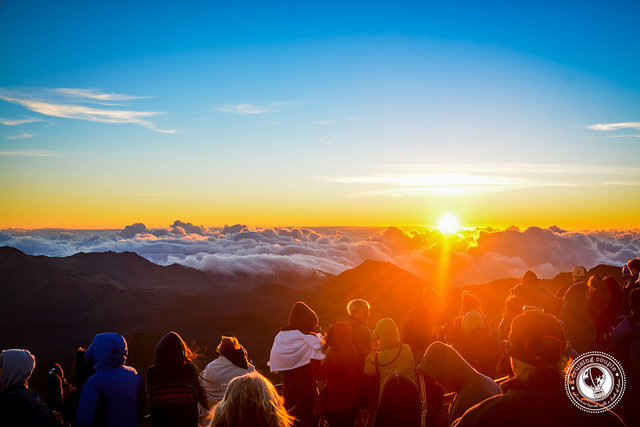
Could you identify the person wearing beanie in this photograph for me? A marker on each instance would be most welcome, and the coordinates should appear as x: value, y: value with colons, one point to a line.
x: 536, y: 396
x: 297, y: 352
x: 114, y: 384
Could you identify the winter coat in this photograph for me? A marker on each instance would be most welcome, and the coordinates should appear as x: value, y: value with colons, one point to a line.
x: 340, y: 368
x: 581, y: 331
x: 173, y: 385
x: 392, y: 356
x: 533, y: 404
x: 115, y: 393
x: 445, y: 365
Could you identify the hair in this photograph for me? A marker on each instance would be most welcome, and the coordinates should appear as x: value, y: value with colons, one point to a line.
x: 356, y: 305
x: 228, y: 344
x: 251, y: 400
x: 634, y: 265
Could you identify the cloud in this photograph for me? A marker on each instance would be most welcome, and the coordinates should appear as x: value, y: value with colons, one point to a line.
x: 247, y: 109
x: 9, y: 122
x: 615, y: 126
x: 29, y: 153
x: 55, y: 108
x: 257, y: 254
x: 95, y: 95
x: 23, y: 135
x: 410, y: 180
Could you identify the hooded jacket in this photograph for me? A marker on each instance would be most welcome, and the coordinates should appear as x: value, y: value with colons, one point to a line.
x: 445, y: 365
x: 19, y: 405
x: 392, y: 356
x: 115, y: 393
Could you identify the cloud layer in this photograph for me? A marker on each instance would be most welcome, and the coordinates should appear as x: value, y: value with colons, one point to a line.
x: 473, y: 256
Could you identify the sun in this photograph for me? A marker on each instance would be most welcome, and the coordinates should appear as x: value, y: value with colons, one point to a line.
x: 448, y: 224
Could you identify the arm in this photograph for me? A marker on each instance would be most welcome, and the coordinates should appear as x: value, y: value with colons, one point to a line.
x: 88, y: 403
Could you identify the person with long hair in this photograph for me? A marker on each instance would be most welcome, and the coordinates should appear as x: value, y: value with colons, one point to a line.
x: 251, y: 401
x: 173, y: 385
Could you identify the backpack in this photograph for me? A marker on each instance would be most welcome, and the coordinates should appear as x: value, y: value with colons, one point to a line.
x: 43, y: 415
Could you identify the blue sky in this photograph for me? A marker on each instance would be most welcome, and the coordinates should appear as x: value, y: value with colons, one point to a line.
x: 319, y: 114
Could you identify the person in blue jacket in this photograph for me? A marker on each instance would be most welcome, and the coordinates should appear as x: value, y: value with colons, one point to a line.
x: 114, y: 396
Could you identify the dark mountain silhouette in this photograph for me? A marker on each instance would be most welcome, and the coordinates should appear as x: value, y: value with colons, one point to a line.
x: 52, y: 305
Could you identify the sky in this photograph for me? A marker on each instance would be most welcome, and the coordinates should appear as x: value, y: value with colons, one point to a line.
x: 275, y: 114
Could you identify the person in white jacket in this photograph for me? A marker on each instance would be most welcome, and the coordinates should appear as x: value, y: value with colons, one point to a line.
x: 297, y: 351
x: 232, y: 362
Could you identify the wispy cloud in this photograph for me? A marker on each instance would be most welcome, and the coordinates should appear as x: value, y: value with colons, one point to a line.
x: 615, y: 126
x: 248, y: 109
x: 29, y: 153
x: 410, y: 180
x: 324, y: 122
x: 53, y: 108
x: 95, y: 95
x: 23, y: 135
x: 10, y: 122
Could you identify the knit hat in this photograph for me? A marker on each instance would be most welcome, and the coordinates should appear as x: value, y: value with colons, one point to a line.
x: 301, y: 317
x: 537, y: 338
x: 579, y: 272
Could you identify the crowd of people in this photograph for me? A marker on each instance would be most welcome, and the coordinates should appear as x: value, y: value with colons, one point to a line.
x: 355, y: 375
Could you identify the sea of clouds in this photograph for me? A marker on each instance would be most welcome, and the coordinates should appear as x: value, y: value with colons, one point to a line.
x: 472, y: 256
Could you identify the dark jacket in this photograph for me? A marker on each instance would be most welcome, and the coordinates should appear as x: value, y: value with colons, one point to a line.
x: 115, y: 394
x: 173, y: 385
x: 533, y: 404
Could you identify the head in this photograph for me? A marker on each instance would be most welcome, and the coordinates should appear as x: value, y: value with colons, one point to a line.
x: 537, y: 345
x: 172, y: 350
x: 529, y: 279
x: 578, y: 274
x: 340, y: 335
x: 596, y: 283
x: 230, y: 348
x: 634, y: 267
x: 468, y: 302
x: 399, y: 403
x: 301, y: 317
x: 16, y: 367
x: 445, y: 365
x: 472, y: 321
x: 387, y: 333
x: 251, y: 400
x: 430, y: 299
x: 359, y: 309
x: 82, y: 367
x: 108, y: 350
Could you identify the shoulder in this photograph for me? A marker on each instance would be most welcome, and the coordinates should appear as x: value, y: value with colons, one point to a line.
x: 484, y: 410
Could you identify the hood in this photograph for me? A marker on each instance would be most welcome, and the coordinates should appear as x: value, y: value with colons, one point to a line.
x: 387, y: 332
x: 472, y: 320
x: 577, y: 294
x: 17, y: 366
x: 107, y: 351
x: 171, y: 350
x: 302, y: 318
x: 445, y: 365
x: 340, y: 335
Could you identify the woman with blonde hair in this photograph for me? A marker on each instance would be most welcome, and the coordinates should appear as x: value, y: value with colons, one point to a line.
x: 251, y: 401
